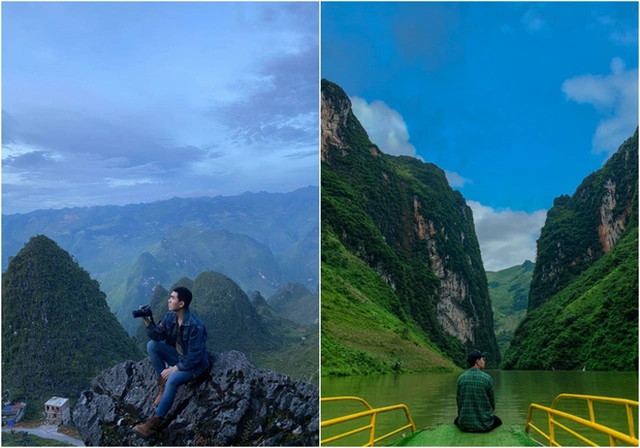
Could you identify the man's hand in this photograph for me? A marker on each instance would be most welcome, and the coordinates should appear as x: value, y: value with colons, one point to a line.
x: 166, y: 373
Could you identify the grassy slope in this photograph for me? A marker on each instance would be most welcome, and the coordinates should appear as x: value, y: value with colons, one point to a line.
x: 360, y: 335
x: 592, y: 323
x: 509, y: 289
x: 20, y: 438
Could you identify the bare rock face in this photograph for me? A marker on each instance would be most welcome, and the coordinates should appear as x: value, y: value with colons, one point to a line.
x: 334, y: 115
x: 237, y: 405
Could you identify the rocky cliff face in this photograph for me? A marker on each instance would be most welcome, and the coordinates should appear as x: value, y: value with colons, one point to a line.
x: 583, y: 301
x: 238, y: 406
x: 423, y: 240
x: 333, y: 121
x: 582, y: 228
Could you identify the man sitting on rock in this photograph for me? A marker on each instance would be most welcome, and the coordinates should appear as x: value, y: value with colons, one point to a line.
x: 184, y: 351
x: 475, y: 399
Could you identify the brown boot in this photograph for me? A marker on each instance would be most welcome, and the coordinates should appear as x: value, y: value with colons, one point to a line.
x: 149, y: 428
x: 161, y: 383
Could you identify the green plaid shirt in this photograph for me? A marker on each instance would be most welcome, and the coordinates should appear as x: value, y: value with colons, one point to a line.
x: 476, y: 401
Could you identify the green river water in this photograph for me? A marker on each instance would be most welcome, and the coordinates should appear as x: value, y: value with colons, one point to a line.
x: 431, y: 398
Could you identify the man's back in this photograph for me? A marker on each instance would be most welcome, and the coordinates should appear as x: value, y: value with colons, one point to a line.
x: 475, y: 399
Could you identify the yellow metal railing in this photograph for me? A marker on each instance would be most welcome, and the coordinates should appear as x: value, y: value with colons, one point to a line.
x: 370, y: 412
x: 614, y: 436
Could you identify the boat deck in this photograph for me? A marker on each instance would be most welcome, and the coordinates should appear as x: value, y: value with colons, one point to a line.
x: 450, y: 435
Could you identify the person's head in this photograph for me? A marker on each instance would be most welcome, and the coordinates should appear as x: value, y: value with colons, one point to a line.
x: 180, y: 299
x: 476, y: 359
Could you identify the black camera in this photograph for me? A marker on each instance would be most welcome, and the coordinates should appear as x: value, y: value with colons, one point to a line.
x: 143, y: 311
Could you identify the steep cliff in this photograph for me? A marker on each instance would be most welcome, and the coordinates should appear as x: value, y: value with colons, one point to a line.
x: 583, y: 305
x: 402, y: 220
x: 238, y: 405
x: 582, y: 228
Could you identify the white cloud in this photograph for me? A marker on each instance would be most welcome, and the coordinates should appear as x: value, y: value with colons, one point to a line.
x: 385, y: 126
x: 532, y: 20
x: 456, y: 180
x: 615, y: 97
x: 507, y: 238
x: 621, y: 33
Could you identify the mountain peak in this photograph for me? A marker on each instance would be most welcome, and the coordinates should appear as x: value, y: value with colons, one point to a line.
x: 45, y: 293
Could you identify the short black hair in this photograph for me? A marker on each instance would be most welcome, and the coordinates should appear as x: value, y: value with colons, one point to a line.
x: 184, y: 295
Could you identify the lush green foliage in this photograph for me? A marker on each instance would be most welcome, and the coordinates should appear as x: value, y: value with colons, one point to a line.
x: 361, y: 333
x: 570, y: 241
x: 57, y: 331
x: 585, y: 312
x: 509, y: 292
x: 392, y: 213
x: 294, y: 302
x: 592, y: 323
x: 20, y: 438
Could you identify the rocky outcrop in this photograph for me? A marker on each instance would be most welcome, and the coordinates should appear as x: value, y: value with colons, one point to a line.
x: 236, y: 405
x: 334, y: 111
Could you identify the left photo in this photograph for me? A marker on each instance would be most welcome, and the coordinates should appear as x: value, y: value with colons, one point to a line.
x: 160, y: 224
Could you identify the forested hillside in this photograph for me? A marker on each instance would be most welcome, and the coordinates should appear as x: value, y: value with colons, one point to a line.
x: 404, y: 288
x: 583, y: 304
x: 57, y: 330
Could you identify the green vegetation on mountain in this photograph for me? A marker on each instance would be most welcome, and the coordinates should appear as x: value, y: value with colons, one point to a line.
x: 361, y: 332
x: 57, y: 330
x: 585, y: 313
x: 187, y: 253
x: 294, y: 302
x: 509, y: 292
x: 234, y: 323
x: 21, y: 438
x: 574, y: 235
x: 397, y: 238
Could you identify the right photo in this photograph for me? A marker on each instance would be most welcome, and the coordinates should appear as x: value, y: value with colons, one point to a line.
x: 479, y: 224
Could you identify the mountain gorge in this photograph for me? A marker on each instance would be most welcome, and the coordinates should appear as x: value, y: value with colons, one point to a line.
x: 509, y: 292
x: 583, y: 301
x: 404, y: 287
x: 57, y: 330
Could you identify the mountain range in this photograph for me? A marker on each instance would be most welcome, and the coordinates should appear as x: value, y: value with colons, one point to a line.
x: 262, y: 240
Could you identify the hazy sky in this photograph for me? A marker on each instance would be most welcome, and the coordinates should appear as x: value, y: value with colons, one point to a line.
x: 517, y: 102
x: 115, y: 103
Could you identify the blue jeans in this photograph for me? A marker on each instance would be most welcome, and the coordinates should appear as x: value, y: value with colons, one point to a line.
x: 159, y: 353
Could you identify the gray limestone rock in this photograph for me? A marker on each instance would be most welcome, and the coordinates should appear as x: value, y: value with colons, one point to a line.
x: 237, y: 404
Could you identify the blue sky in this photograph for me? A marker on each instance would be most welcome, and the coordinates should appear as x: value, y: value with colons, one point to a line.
x: 517, y: 102
x: 115, y: 103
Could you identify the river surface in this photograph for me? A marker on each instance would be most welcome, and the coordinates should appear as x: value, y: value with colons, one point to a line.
x: 431, y: 398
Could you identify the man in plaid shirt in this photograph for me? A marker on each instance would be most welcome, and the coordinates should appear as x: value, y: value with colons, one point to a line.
x: 476, y: 402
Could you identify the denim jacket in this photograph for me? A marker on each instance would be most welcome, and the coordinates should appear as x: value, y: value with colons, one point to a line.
x: 193, y: 339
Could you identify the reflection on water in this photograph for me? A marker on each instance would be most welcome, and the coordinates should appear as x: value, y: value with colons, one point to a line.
x: 431, y: 397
